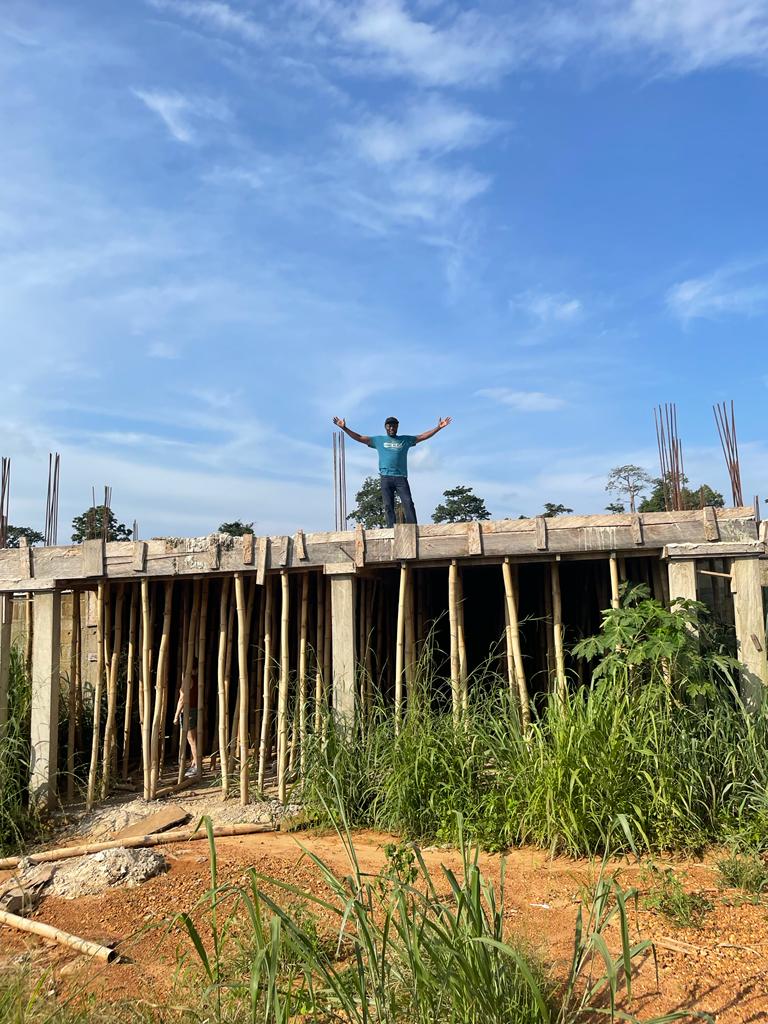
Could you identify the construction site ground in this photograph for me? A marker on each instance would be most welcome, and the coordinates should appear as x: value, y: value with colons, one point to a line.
x: 719, y: 967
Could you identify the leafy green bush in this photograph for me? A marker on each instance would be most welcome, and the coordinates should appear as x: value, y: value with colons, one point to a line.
x: 17, y: 821
x: 747, y: 871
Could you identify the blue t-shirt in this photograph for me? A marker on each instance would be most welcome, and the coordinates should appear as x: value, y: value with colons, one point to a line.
x: 393, y: 453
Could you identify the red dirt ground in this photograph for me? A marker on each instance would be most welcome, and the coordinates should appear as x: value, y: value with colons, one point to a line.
x: 720, y: 968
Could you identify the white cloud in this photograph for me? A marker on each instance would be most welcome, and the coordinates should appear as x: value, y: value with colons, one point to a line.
x: 547, y: 307
x: 523, y: 401
x: 176, y: 111
x: 736, y: 290
x: 430, y: 125
x: 215, y: 15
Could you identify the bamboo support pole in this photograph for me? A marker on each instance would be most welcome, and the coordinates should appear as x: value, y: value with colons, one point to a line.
x: 328, y: 636
x: 242, y: 661
x: 462, y: 644
x: 146, y: 687
x: 369, y: 638
x: 202, y: 675
x: 453, y: 620
x: 256, y: 665
x: 129, y: 687
x: 110, y: 728
x: 266, y: 684
x: 614, y: 567
x: 29, y: 627
x: 319, y: 651
x: 47, y: 931
x: 79, y: 674
x: 400, y: 648
x: 161, y: 686
x: 513, y: 644
x: 410, y: 641
x: 360, y: 622
x: 91, y: 792
x: 72, y: 701
x: 222, y: 688
x: 282, y: 691
x: 234, y: 718
x: 557, y: 625
x: 302, y: 669
x: 179, y: 835
x: 186, y: 679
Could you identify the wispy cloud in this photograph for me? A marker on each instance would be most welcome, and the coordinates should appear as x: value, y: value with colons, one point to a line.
x: 736, y: 290
x: 430, y: 125
x: 547, y: 307
x: 523, y: 401
x: 176, y: 111
x: 215, y: 15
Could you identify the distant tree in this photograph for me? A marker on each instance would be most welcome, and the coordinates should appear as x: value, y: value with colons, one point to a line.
x: 460, y: 506
x: 692, y: 497
x: 15, y: 533
x: 236, y: 528
x: 615, y: 506
x: 89, y: 525
x: 628, y: 482
x: 369, y: 511
x: 551, y: 510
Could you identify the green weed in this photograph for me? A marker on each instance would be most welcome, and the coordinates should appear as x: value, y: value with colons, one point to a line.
x: 668, y: 896
x: 745, y: 871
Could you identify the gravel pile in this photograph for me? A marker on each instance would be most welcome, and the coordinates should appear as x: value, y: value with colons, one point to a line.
x: 91, y: 875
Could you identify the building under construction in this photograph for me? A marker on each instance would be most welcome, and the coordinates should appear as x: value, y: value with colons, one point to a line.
x: 279, y: 630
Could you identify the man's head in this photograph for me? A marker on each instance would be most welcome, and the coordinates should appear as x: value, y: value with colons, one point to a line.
x: 391, y: 425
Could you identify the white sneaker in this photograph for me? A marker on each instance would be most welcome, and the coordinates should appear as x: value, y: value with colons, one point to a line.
x: 192, y: 770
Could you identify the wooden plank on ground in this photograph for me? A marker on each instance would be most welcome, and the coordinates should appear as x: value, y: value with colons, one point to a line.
x: 711, y: 529
x: 541, y: 534
x: 406, y: 543
x: 160, y: 821
x: 474, y: 539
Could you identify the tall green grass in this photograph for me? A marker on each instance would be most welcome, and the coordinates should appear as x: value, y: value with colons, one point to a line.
x: 17, y: 821
x: 659, y: 737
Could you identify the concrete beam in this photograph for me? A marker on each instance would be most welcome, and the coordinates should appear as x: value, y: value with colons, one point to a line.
x: 46, y: 642
x: 343, y: 646
x: 749, y: 618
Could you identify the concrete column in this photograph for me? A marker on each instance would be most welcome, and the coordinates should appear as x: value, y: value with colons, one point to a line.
x: 682, y: 579
x: 45, y: 697
x: 6, y: 619
x: 750, y: 629
x: 343, y: 646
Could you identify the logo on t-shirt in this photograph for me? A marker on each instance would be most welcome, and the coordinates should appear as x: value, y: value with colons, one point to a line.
x: 393, y: 444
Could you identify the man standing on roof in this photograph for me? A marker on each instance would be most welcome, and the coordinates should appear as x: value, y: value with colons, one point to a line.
x: 393, y: 462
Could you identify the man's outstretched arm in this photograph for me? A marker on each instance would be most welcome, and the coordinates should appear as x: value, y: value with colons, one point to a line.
x: 362, y: 438
x: 441, y: 424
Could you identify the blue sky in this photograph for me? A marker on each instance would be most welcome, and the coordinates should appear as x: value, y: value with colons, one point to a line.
x: 221, y: 223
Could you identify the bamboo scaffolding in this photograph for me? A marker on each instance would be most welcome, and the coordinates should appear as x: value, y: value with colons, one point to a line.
x: 47, y: 931
x: 282, y: 691
x: 186, y: 679
x: 79, y: 675
x: 91, y: 791
x: 146, y: 687
x: 453, y: 619
x: 72, y: 700
x: 161, y: 686
x: 202, y: 674
x: 302, y: 669
x: 242, y: 661
x: 463, y: 684
x: 513, y: 644
x: 29, y: 628
x: 371, y: 596
x: 400, y: 648
x: 234, y: 718
x: 222, y: 688
x: 319, y: 651
x: 110, y: 728
x: 409, y: 644
x: 327, y: 641
x: 129, y: 687
x: 266, y: 683
x: 557, y: 626
x: 615, y: 586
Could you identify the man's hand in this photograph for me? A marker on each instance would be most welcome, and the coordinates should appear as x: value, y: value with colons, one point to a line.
x: 339, y: 422
x: 443, y: 423
x: 431, y: 433
x: 342, y: 423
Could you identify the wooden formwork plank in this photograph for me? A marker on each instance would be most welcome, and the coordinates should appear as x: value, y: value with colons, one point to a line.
x: 474, y: 539
x: 406, y: 543
x: 636, y: 528
x: 359, y: 546
x: 300, y: 546
x: 711, y: 529
x: 248, y: 549
x: 542, y: 542
x: 93, y: 558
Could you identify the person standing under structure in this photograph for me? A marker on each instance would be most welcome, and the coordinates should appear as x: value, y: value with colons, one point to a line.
x: 393, y: 462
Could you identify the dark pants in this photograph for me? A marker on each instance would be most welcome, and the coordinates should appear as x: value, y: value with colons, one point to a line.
x: 391, y: 485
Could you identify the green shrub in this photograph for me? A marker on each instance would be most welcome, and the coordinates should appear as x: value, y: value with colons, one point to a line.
x: 670, y: 898
x: 17, y: 822
x: 745, y: 871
